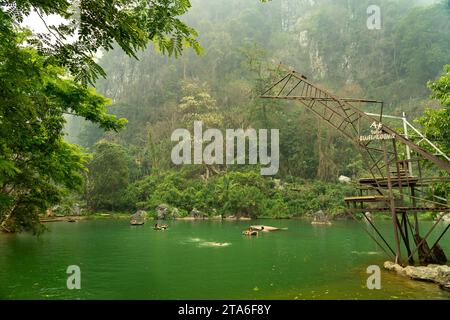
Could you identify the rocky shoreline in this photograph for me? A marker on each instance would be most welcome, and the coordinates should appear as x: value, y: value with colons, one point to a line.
x: 439, y: 274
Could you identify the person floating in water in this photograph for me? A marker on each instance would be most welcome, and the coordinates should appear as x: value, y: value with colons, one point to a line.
x: 160, y: 227
x: 215, y: 244
x: 265, y: 228
x: 250, y: 232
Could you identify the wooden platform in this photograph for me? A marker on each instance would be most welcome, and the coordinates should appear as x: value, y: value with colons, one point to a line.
x: 396, y: 182
x: 366, y: 199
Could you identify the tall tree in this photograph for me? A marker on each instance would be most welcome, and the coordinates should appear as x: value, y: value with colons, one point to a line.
x: 436, y: 122
x: 108, y: 176
x: 45, y: 76
x: 98, y: 24
x: 36, y: 165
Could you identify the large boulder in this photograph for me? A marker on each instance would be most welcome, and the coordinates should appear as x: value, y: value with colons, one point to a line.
x: 138, y: 218
x: 174, y: 213
x: 433, y: 272
x: 165, y: 212
x: 391, y: 266
x: 443, y: 274
x: 196, y: 214
x: 320, y: 216
x: 161, y: 212
x: 76, y: 209
x: 421, y: 273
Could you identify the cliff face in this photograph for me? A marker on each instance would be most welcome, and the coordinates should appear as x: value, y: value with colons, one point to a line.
x: 328, y: 41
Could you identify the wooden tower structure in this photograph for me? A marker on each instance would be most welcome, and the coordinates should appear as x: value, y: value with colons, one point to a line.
x: 400, y: 173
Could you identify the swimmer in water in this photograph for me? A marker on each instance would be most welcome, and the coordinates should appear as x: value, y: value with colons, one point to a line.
x: 216, y: 244
x: 160, y: 227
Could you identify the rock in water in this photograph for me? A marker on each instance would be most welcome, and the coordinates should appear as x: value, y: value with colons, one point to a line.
x: 320, y: 218
x: 391, y: 266
x: 421, y: 273
x: 434, y: 273
x: 138, y: 218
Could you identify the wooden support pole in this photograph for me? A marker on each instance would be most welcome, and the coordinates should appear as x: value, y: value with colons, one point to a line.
x: 379, y: 233
x: 398, y: 256
x: 414, y: 204
x: 439, y: 239
x: 426, y: 236
x: 404, y: 226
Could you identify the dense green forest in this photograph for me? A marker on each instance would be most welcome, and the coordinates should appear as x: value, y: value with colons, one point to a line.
x: 241, y: 41
x: 47, y: 75
x: 129, y: 167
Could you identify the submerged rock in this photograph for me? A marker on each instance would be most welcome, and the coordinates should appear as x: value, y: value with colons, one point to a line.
x: 439, y: 274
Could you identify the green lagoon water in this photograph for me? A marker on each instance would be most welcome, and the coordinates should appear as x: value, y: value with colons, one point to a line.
x: 119, y: 261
